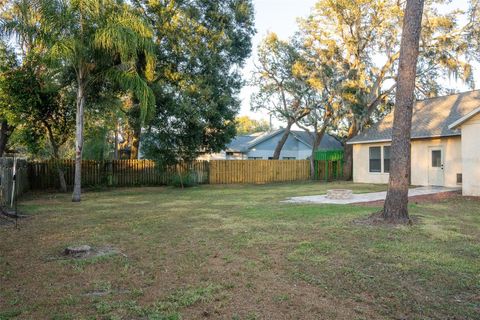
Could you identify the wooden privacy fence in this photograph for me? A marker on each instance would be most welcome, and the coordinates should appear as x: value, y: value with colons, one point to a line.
x: 258, y: 171
x: 116, y: 173
x: 124, y: 173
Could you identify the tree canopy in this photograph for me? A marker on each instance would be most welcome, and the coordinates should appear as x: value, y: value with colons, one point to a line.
x: 281, y: 90
x: 347, y: 52
x: 201, y: 47
x: 246, y: 125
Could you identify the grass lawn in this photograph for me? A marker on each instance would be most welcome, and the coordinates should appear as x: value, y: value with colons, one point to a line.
x: 236, y: 252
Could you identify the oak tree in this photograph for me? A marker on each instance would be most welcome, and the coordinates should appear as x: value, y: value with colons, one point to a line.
x: 365, y: 35
x: 281, y: 91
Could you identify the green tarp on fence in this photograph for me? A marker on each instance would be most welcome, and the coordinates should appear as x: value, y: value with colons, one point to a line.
x: 330, y: 162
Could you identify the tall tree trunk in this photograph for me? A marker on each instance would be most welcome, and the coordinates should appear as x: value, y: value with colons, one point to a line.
x: 56, y: 157
x: 77, y: 185
x: 137, y: 130
x: 115, y: 151
x: 347, y: 161
x: 5, y: 132
x: 348, y: 152
x: 281, y: 142
x: 396, y: 203
x: 316, y: 142
x: 61, y: 177
x: 135, y: 125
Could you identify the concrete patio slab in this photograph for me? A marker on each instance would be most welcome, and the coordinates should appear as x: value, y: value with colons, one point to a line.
x: 367, y: 197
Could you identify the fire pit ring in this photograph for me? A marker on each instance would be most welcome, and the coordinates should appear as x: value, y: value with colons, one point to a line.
x: 339, y: 194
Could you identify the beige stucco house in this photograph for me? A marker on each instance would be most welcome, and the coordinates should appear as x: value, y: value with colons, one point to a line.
x: 445, y: 145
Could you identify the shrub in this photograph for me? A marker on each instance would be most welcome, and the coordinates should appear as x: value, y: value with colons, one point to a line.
x: 184, y: 180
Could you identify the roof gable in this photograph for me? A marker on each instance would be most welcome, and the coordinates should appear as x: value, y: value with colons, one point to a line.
x: 430, y: 118
x: 464, y: 119
x: 244, y: 143
x: 240, y: 143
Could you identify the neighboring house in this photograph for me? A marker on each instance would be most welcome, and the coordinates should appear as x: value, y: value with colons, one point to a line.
x: 262, y: 146
x: 445, y: 150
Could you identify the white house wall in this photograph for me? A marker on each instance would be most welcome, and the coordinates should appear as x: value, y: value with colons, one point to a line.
x: 452, y: 147
x: 361, y: 165
x: 212, y: 156
x: 471, y: 156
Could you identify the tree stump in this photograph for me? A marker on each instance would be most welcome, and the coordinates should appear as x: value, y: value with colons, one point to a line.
x: 76, y: 251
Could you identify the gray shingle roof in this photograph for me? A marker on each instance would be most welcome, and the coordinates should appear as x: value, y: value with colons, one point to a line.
x: 240, y: 143
x: 431, y: 118
x: 244, y: 143
x: 328, y: 142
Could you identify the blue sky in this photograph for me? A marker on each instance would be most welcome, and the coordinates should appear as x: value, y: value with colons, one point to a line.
x: 277, y: 16
x: 280, y: 16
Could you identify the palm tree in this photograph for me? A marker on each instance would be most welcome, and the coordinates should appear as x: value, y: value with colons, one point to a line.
x: 102, y: 41
x: 18, y: 20
x: 396, y: 203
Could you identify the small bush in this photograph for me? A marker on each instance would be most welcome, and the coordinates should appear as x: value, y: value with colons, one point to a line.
x: 184, y: 180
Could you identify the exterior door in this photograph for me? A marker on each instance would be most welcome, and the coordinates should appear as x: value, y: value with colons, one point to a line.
x: 436, y: 174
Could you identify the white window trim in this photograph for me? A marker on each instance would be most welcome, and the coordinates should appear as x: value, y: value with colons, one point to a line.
x: 382, y: 159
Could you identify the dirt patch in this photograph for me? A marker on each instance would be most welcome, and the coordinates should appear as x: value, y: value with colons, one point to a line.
x: 271, y: 291
x: 92, y: 252
x: 8, y: 218
x: 376, y: 219
x: 4, y: 221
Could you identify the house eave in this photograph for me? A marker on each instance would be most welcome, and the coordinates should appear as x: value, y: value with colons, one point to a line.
x: 369, y: 141
x: 464, y: 119
x: 236, y: 150
x: 414, y: 138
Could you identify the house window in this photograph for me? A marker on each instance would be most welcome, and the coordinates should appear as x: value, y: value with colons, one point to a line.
x: 459, y: 178
x: 255, y: 158
x: 436, y: 158
x: 386, y: 159
x: 375, y: 159
x: 288, y: 158
x: 229, y: 153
